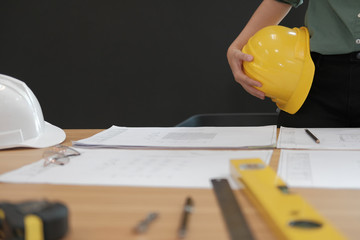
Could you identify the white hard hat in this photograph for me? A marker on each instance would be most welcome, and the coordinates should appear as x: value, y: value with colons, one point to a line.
x: 21, y: 120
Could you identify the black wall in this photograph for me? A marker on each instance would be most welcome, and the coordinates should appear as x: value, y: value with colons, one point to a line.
x: 95, y: 63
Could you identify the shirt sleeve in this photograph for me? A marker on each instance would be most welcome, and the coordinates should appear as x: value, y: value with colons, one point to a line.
x: 294, y: 3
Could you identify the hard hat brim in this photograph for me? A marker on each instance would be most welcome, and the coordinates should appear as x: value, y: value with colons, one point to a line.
x: 50, y: 136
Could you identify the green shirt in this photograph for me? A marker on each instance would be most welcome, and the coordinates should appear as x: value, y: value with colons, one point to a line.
x: 334, y: 25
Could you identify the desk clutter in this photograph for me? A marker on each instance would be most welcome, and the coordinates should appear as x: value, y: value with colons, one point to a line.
x: 182, y: 157
x: 150, y: 157
x: 185, y: 157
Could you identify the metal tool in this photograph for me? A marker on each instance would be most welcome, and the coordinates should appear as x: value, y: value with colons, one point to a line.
x: 235, y: 221
x: 188, y: 209
x: 144, y: 224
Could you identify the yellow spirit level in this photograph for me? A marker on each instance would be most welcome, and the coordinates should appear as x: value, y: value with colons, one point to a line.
x: 287, y: 213
x: 33, y: 220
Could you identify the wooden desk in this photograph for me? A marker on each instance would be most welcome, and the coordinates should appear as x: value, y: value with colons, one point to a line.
x: 112, y: 212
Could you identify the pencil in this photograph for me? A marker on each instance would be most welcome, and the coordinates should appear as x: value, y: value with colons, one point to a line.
x: 312, y: 136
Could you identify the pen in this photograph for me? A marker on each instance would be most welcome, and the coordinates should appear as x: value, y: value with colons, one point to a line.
x: 312, y: 136
x: 188, y: 209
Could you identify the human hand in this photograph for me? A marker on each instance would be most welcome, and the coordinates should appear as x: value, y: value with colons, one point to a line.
x: 236, y: 58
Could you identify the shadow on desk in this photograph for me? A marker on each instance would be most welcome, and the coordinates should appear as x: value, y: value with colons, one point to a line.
x: 230, y: 119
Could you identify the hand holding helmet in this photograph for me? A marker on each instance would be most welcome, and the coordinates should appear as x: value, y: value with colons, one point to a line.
x: 282, y: 63
x: 236, y: 59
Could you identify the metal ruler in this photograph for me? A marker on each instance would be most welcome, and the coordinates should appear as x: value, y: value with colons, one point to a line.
x: 290, y: 216
x: 233, y: 216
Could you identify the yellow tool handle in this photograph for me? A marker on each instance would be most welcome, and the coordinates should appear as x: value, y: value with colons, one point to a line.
x: 34, y: 228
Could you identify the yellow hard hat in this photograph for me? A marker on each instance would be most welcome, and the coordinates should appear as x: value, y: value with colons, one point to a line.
x: 282, y: 63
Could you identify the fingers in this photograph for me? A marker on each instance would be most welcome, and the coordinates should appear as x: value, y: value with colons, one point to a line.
x: 236, y: 59
x: 245, y: 57
x: 253, y: 91
x: 249, y: 85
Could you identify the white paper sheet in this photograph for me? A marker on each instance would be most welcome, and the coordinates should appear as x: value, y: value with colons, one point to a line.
x: 320, y: 168
x: 330, y: 138
x: 146, y: 168
x: 183, y: 137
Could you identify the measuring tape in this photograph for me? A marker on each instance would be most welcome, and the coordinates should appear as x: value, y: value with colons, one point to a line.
x: 286, y: 212
x: 33, y: 220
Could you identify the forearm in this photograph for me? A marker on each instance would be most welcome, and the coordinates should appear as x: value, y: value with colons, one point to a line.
x: 269, y: 12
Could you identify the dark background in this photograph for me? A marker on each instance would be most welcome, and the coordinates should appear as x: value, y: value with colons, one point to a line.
x: 97, y: 63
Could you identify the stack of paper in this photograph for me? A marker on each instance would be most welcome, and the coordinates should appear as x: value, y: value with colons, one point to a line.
x: 146, y: 168
x: 156, y: 157
x: 330, y: 138
x: 329, y: 166
x: 320, y: 169
x: 183, y: 137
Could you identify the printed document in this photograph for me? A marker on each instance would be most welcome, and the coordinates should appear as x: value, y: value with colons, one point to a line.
x: 330, y: 138
x: 183, y: 137
x: 320, y: 168
x: 138, y: 168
